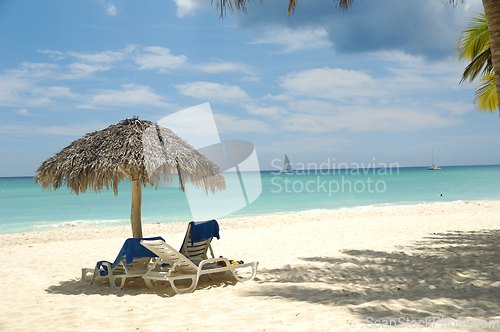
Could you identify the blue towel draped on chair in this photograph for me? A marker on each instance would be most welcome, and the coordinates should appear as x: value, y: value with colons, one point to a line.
x: 132, y: 248
x: 202, y: 230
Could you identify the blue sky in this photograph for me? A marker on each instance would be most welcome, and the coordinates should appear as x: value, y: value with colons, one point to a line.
x: 378, y: 83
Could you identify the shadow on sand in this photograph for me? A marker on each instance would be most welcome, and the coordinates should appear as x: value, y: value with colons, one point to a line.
x: 134, y: 286
x: 453, y: 275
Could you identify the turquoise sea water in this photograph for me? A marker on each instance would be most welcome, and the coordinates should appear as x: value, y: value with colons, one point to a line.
x: 25, y: 207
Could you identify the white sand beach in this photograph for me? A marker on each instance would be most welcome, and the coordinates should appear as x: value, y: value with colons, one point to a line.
x: 318, y: 271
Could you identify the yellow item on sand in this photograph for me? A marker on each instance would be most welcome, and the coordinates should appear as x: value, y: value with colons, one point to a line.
x: 233, y: 262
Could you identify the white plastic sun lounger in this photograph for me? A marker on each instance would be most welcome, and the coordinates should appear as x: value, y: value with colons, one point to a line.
x: 181, y: 268
x: 136, y: 269
x: 133, y: 261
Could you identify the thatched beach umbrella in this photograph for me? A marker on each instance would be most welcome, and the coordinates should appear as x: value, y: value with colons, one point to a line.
x: 136, y: 149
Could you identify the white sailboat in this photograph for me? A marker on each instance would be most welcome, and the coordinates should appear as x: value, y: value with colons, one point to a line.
x: 433, y: 167
x: 286, y: 165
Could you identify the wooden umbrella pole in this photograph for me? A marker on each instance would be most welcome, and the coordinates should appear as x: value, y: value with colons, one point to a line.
x: 135, y: 214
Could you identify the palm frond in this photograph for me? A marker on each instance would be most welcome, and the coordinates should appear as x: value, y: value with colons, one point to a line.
x: 480, y: 65
x: 486, y: 98
x: 342, y: 4
x: 225, y: 5
x: 474, y: 40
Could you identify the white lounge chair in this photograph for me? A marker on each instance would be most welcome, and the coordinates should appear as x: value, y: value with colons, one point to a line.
x: 136, y: 269
x: 198, y: 239
x: 181, y: 268
x: 133, y: 261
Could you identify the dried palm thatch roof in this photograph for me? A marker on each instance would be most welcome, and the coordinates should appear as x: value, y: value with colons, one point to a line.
x: 133, y: 148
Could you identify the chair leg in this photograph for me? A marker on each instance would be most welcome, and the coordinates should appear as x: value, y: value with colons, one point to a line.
x: 194, y: 283
x: 151, y: 285
x: 253, y: 265
x: 96, y: 273
x: 123, y: 282
x: 85, y: 271
x: 112, y: 282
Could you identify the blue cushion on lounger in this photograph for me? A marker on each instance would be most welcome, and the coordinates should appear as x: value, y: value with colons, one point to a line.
x: 132, y: 248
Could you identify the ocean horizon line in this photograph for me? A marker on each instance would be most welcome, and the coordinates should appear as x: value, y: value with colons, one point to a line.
x: 302, y: 169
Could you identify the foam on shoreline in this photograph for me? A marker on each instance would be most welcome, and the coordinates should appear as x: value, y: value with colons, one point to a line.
x: 48, y: 226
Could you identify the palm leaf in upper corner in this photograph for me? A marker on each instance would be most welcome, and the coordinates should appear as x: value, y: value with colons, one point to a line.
x: 486, y: 98
x: 481, y: 65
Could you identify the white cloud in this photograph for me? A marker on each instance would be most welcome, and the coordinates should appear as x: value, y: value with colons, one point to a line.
x: 29, y: 129
x: 331, y: 117
x: 81, y: 70
x: 311, y: 106
x: 159, y: 58
x: 131, y: 95
x: 25, y: 92
x: 374, y: 26
x: 54, y: 55
x: 330, y: 83
x: 405, y: 75
x: 230, y: 124
x: 106, y: 57
x: 253, y: 79
x: 63, y: 130
x: 456, y: 108
x: 213, y: 91
x: 219, y: 66
x: 414, y: 72
x: 369, y: 120
x: 188, y: 7
x: 33, y: 70
x: 30, y: 85
x: 12, y: 91
x: 24, y: 112
x: 280, y: 97
x: 295, y: 40
x: 315, y: 116
x: 471, y: 3
x: 111, y: 9
x: 56, y: 91
x: 269, y: 112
